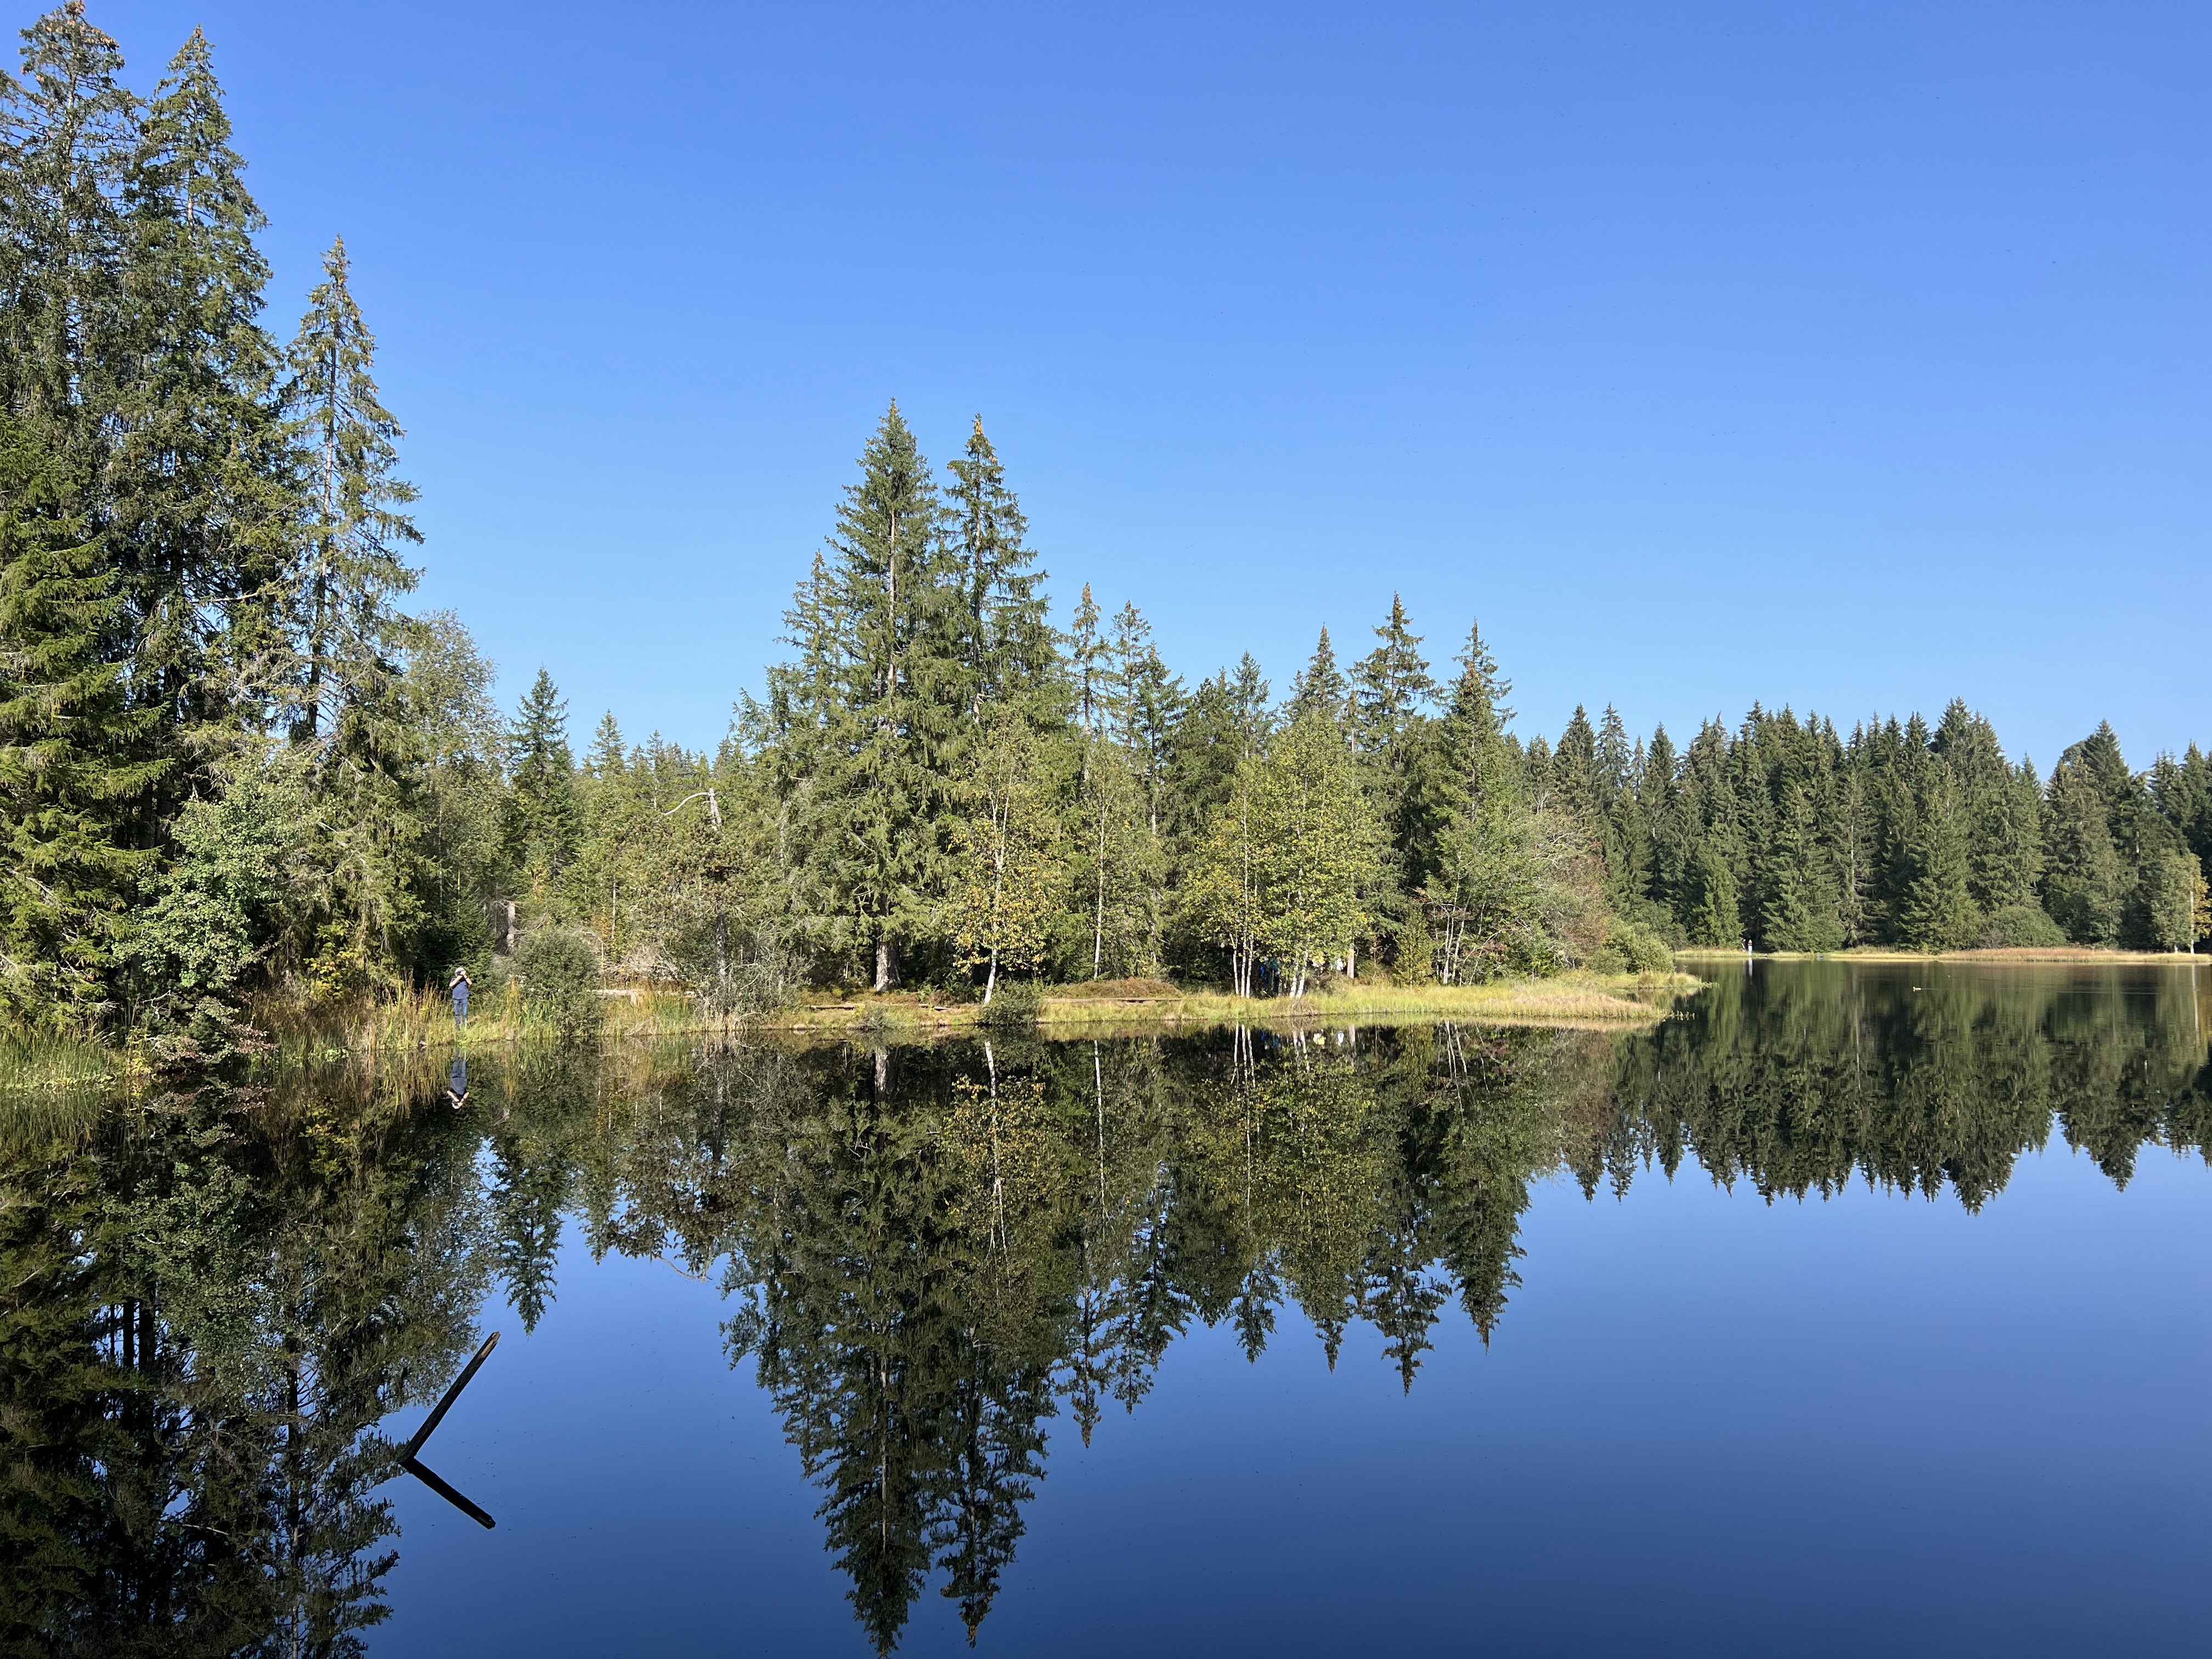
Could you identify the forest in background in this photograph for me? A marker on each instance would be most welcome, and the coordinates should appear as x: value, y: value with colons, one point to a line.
x: 237, y: 773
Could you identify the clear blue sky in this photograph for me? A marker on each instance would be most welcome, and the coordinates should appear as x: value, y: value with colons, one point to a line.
x: 1849, y: 356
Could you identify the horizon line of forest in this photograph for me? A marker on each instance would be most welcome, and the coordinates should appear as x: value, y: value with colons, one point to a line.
x: 237, y: 773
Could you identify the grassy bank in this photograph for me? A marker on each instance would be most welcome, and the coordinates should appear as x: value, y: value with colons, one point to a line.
x: 39, y: 1078
x: 424, y: 1019
x: 2091, y: 955
x: 1122, y: 1007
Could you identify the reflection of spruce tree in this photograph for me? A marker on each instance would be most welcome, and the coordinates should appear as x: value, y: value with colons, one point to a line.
x: 526, y: 1198
x: 533, y: 1175
x: 861, y: 1310
x: 1402, y: 1297
x: 1154, y: 1306
x: 1500, y: 1103
x: 197, y: 1372
x: 997, y: 1455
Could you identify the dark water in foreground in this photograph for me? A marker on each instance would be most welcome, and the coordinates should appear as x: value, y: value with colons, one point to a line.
x: 1852, y: 1308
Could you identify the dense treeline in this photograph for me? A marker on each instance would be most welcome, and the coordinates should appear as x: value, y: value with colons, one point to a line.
x: 935, y: 1260
x: 1786, y: 834
x: 233, y: 766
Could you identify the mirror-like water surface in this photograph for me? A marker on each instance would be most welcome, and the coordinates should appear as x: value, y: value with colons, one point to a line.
x: 1850, y: 1307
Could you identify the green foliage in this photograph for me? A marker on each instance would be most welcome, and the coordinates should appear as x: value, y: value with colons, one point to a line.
x: 2175, y: 900
x: 219, y: 908
x: 560, y: 975
x: 351, y: 636
x: 541, y: 816
x: 2018, y: 925
x: 1317, y: 848
x: 868, y: 724
x: 1016, y: 1006
x: 1007, y: 840
x: 71, y: 766
x: 1641, y: 950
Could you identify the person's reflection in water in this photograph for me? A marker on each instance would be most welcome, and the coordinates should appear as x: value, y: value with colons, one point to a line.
x: 457, y: 1086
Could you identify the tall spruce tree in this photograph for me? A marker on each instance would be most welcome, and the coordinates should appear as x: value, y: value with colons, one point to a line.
x: 879, y: 756
x: 1320, y: 688
x: 68, y: 139
x: 543, y: 819
x: 202, y: 485
x: 2084, y: 887
x: 1939, y: 912
x: 1011, y: 656
x: 1575, y: 782
x: 68, y: 734
x: 350, y: 570
x: 1391, y: 688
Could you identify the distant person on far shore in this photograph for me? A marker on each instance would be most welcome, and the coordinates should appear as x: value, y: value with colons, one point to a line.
x: 459, y: 989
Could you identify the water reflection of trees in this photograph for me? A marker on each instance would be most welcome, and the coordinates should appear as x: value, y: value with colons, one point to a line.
x: 928, y: 1254
x: 204, y: 1312
x: 1910, y: 1076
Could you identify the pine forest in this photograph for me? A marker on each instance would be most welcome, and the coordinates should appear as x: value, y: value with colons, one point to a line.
x: 240, y: 775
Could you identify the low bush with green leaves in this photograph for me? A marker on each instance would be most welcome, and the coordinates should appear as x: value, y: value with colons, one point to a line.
x: 1014, y: 1004
x: 2021, y: 925
x: 560, y: 975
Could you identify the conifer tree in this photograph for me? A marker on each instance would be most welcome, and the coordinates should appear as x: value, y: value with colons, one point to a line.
x: 67, y: 736
x: 1623, y: 840
x: 1460, y: 770
x: 1320, y: 689
x: 1225, y: 723
x: 202, y: 484
x: 1575, y: 782
x: 1146, y: 702
x: 1392, y: 690
x: 1852, y: 839
x: 350, y: 570
x: 1667, y: 830
x: 68, y: 136
x: 2181, y: 790
x: 543, y: 821
x: 1938, y: 913
x: 2083, y: 886
x: 1011, y: 652
x: 1799, y: 913
x: 1086, y: 662
x: 1715, y: 914
x: 880, y: 750
x: 1391, y: 686
x: 1714, y: 919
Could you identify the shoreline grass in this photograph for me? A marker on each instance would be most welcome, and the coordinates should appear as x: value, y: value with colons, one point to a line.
x: 296, y: 1039
x: 1580, y: 1000
x: 2080, y: 955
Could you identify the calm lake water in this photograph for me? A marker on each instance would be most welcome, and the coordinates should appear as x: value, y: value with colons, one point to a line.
x: 1851, y: 1309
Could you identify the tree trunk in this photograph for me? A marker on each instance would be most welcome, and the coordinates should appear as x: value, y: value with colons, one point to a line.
x: 886, y: 963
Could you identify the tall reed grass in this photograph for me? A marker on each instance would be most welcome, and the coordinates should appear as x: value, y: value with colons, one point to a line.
x: 415, y: 1020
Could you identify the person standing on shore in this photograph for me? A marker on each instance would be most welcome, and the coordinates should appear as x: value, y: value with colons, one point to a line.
x: 459, y: 989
